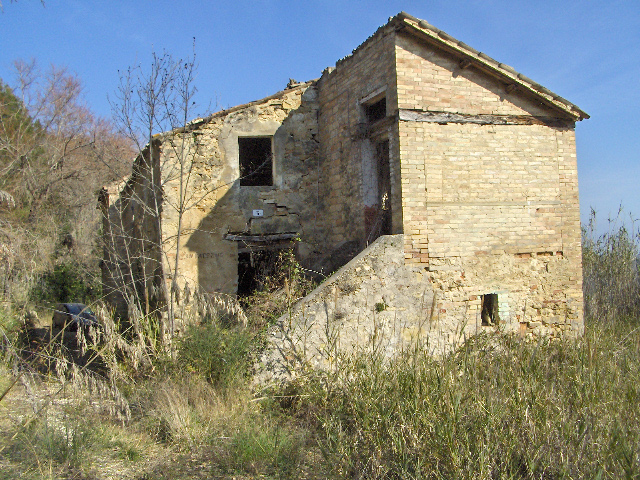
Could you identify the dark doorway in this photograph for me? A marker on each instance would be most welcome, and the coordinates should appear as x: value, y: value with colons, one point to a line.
x: 254, y: 269
x: 384, y: 186
x: 489, y: 313
x: 381, y: 218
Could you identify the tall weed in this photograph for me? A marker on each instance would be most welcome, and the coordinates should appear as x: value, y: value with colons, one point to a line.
x: 611, y: 278
x: 189, y: 414
x: 221, y: 355
x: 497, y: 408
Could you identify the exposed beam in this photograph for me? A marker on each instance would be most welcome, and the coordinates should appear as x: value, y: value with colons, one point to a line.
x: 484, y: 119
x: 260, y: 238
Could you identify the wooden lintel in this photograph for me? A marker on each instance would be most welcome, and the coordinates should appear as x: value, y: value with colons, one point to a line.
x: 260, y: 238
x: 244, y: 247
x: 484, y: 119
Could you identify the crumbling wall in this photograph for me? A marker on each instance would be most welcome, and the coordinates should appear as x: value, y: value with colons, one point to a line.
x: 184, y: 199
x: 379, y: 302
x: 490, y: 199
x: 374, y: 301
x: 132, y: 248
x: 219, y: 211
x: 113, y: 267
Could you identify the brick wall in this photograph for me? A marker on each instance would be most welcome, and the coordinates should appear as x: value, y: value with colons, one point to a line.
x: 488, y: 207
x: 370, y: 69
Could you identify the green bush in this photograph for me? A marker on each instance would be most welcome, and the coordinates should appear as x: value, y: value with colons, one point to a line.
x: 66, y: 282
x: 265, y: 444
x: 221, y: 355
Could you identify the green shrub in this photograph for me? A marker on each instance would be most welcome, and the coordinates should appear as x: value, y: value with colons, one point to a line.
x: 221, y: 355
x: 265, y: 445
x: 66, y: 282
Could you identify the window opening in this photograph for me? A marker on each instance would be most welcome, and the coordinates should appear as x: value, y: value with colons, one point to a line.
x: 489, y: 313
x: 255, y: 161
x: 376, y: 111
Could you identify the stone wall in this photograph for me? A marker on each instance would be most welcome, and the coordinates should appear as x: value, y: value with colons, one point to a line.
x: 375, y: 300
x: 193, y: 178
x: 219, y: 205
x: 379, y: 301
x: 132, y: 250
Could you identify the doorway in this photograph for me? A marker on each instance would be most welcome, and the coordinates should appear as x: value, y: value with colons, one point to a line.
x: 254, y: 269
x: 380, y: 223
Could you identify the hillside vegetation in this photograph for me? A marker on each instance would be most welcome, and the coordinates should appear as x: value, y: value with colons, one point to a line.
x: 55, y: 155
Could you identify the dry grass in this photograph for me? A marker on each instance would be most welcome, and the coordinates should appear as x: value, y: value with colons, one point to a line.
x: 497, y: 408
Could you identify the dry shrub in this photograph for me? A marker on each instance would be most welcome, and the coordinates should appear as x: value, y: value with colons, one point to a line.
x: 497, y: 408
x: 287, y: 283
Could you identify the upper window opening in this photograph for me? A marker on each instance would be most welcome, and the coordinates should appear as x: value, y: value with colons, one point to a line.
x: 376, y: 111
x: 256, y: 165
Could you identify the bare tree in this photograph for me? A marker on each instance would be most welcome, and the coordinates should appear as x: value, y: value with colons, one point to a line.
x: 15, y: 1
x: 54, y: 153
x: 153, y: 107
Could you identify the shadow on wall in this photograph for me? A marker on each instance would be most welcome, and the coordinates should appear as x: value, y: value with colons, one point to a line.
x: 251, y: 220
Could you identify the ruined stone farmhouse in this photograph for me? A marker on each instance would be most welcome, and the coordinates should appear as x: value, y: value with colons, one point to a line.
x: 441, y: 184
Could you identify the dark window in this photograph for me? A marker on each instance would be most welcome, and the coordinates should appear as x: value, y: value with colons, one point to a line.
x: 489, y: 313
x: 376, y: 111
x: 255, y: 161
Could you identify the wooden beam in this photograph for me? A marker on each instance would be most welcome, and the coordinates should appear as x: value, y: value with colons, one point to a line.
x: 260, y: 238
x: 484, y: 119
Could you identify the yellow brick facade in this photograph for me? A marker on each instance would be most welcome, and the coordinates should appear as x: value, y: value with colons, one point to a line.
x: 488, y: 208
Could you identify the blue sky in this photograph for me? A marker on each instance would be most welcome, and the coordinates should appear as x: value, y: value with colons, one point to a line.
x: 587, y: 51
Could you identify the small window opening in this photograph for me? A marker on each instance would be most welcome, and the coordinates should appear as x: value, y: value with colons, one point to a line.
x: 255, y: 161
x: 489, y: 313
x: 376, y: 111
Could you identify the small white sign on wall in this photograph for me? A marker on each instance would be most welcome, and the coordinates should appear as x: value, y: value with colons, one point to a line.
x: 258, y: 213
